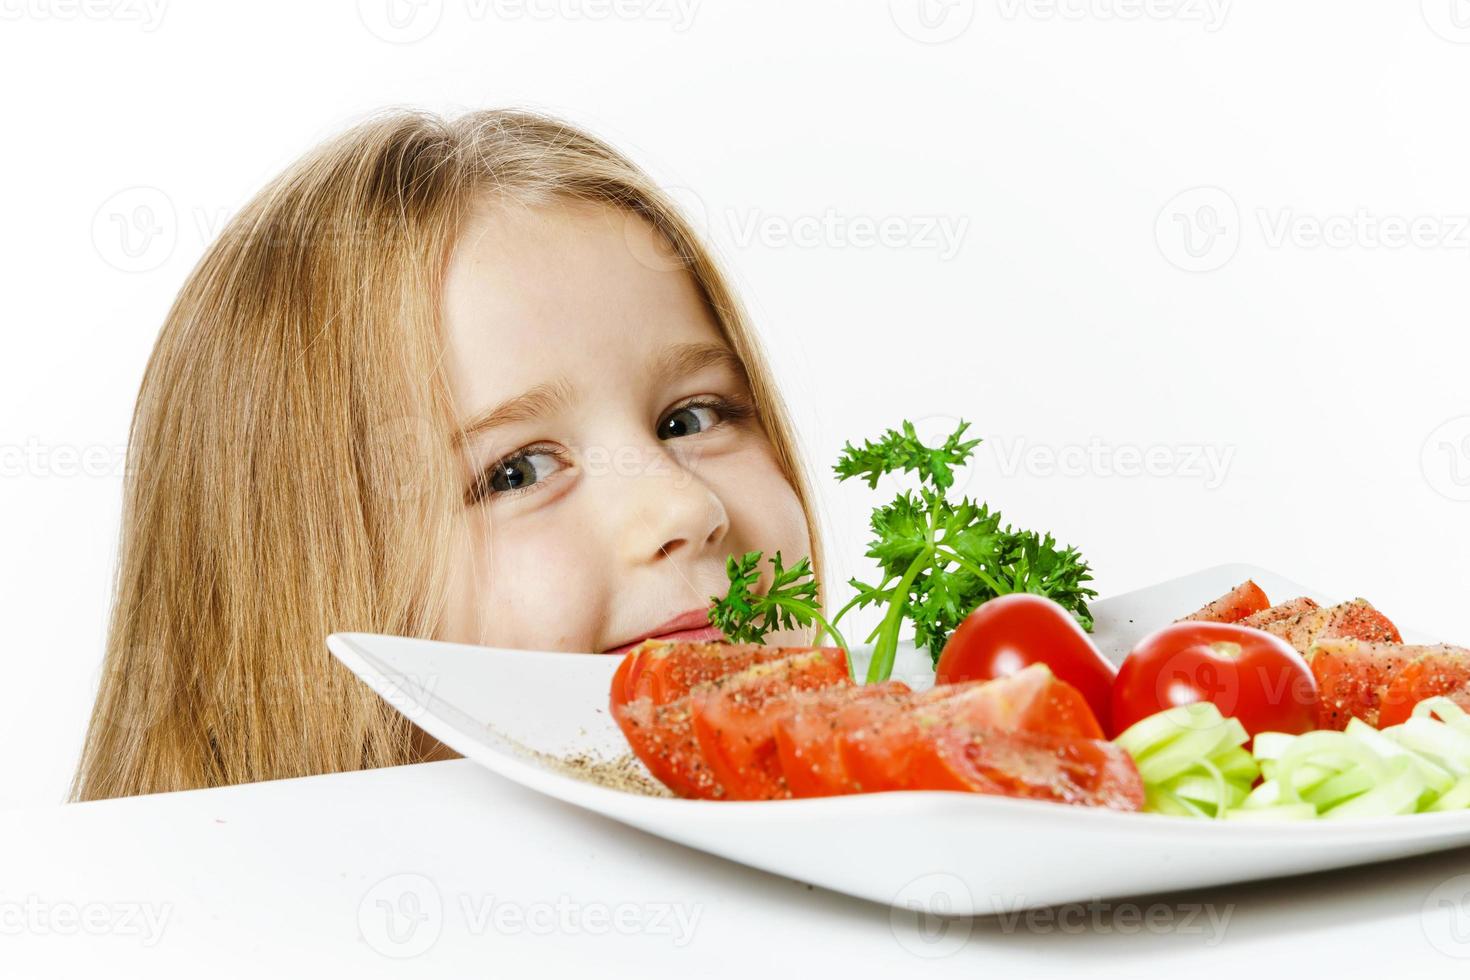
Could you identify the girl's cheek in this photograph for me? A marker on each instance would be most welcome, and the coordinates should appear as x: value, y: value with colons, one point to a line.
x: 765, y: 513
x: 523, y: 587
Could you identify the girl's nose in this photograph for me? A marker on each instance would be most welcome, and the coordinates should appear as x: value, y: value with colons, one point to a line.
x: 670, y: 511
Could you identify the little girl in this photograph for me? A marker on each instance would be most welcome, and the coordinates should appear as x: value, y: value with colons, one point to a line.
x: 470, y: 379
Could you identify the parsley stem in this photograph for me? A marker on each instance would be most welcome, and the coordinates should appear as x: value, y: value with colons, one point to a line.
x: 845, y: 609
x: 881, y: 666
x: 826, y: 627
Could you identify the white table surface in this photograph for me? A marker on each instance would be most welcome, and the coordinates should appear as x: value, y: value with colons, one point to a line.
x: 286, y: 879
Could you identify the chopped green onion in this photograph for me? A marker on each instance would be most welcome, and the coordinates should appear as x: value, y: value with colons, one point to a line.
x: 1194, y: 763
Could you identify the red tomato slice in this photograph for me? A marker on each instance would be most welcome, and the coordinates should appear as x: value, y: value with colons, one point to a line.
x: 1353, y: 678
x: 1030, y: 700
x: 1244, y: 600
x: 662, y: 737
x: 619, y: 695
x: 735, y: 718
x: 665, y: 671
x: 807, y: 735
x: 1011, y: 632
x: 1248, y: 674
x: 880, y: 755
x: 1284, y: 610
x: 1083, y: 772
x: 1356, y: 620
x: 1441, y: 672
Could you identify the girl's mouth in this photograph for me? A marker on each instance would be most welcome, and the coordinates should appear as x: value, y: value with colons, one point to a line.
x: 689, y: 627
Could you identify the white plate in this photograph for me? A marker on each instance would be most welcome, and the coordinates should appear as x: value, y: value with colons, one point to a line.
x: 950, y: 852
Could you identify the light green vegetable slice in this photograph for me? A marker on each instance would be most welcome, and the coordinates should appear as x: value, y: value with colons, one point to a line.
x: 1194, y: 764
x: 1456, y: 798
x: 1400, y: 794
x: 1443, y: 745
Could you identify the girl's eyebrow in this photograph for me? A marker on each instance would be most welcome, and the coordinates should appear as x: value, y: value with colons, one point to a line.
x: 679, y: 360
x: 674, y: 361
x: 538, y: 400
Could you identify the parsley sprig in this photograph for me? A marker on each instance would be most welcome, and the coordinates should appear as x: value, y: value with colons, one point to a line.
x: 746, y: 616
x: 938, y: 559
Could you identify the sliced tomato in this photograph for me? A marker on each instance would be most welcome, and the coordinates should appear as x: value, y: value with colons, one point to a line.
x: 734, y: 719
x: 807, y: 734
x: 1079, y: 771
x: 619, y: 695
x: 1031, y: 700
x: 1280, y: 611
x: 1353, y: 679
x: 880, y: 755
x: 1439, y: 672
x: 1356, y: 620
x: 662, y: 737
x: 665, y: 671
x: 1244, y: 600
x: 1014, y: 631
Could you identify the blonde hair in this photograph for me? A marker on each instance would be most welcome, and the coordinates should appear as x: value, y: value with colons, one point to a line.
x: 290, y: 467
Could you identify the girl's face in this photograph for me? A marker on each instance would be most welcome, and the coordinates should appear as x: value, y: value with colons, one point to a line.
x: 613, y: 457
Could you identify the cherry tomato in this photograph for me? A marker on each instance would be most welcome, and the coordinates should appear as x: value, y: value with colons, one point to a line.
x: 1250, y: 675
x: 1011, y: 632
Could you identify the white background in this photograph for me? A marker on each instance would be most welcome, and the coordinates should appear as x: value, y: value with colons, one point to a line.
x: 1090, y: 301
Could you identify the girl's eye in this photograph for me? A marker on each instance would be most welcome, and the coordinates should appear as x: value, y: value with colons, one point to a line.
x: 688, y: 421
x: 520, y: 472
